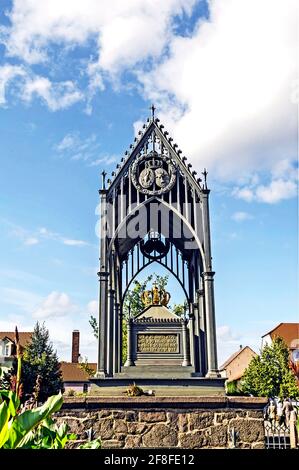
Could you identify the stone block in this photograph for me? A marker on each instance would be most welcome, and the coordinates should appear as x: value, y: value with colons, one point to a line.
x: 131, y: 416
x: 75, y: 426
x: 160, y: 435
x: 193, y: 440
x: 104, y: 428
x: 112, y: 444
x: 120, y: 426
x: 249, y: 430
x: 137, y: 428
x: 218, y: 436
x: 201, y: 420
x: 119, y: 414
x: 133, y: 441
x: 152, y: 416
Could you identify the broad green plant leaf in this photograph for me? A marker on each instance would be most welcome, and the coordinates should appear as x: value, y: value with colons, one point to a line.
x: 4, y: 421
x: 28, y: 420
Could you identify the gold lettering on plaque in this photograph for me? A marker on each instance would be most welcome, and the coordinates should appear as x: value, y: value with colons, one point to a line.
x: 157, y: 343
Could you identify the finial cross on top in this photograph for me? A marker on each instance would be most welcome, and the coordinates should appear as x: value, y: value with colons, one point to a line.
x: 205, y: 174
x: 153, y: 109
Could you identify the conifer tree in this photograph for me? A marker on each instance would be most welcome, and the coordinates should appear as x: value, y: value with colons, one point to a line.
x: 40, y: 366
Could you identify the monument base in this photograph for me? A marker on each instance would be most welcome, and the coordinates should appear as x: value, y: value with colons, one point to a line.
x: 162, y: 387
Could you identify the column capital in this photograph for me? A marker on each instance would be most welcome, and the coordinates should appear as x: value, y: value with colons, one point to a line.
x: 103, y: 275
x: 208, y: 275
x: 103, y: 192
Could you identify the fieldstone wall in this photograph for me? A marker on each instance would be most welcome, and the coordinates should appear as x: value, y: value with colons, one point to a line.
x: 190, y: 427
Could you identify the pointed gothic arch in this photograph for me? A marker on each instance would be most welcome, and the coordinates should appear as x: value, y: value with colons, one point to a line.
x: 152, y: 177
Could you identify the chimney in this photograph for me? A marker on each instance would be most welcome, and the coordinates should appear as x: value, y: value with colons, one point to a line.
x: 75, y: 346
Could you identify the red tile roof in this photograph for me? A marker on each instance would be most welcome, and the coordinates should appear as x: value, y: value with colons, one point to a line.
x: 24, y: 336
x: 72, y: 372
x: 287, y: 331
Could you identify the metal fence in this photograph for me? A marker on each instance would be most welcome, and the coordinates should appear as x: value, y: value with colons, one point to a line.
x: 277, y: 435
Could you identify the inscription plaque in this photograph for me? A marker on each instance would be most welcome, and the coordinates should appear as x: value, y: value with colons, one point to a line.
x: 157, y: 343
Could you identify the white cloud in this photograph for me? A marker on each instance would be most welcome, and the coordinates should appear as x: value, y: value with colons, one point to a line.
x: 225, y: 91
x: 228, y: 341
x: 224, y: 333
x: 33, y: 237
x: 276, y: 191
x: 93, y: 308
x: 59, y: 95
x: 9, y: 325
x: 283, y: 185
x: 75, y: 147
x: 48, y: 234
x: 7, y: 73
x: 20, y: 298
x: 60, y: 313
x: 56, y: 304
x: 62, y: 336
x: 56, y: 95
x: 108, y: 159
x: 68, y: 142
x: 244, y: 193
x: 126, y: 32
x: 241, y: 216
x: 70, y: 242
x: 31, y: 241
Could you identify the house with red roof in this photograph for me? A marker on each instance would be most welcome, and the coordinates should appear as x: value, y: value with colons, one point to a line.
x: 8, y: 347
x: 289, y: 332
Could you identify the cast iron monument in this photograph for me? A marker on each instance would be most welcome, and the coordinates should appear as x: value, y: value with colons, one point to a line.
x: 155, y: 209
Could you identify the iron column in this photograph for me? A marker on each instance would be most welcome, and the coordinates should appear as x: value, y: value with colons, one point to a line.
x: 208, y: 281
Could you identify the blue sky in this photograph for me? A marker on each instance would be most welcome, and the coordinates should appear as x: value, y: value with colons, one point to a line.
x: 75, y: 84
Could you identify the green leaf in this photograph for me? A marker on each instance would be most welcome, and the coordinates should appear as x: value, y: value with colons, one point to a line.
x: 95, y: 444
x: 4, y: 420
x: 14, y: 403
x: 28, y: 420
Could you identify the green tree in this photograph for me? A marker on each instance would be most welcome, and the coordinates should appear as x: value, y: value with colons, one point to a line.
x: 269, y: 374
x: 179, y: 309
x: 40, y: 366
x: 94, y: 326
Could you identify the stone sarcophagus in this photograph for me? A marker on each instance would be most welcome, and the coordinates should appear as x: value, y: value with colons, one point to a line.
x: 157, y: 337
